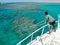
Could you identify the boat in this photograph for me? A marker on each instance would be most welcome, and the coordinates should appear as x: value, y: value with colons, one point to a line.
x: 44, y: 39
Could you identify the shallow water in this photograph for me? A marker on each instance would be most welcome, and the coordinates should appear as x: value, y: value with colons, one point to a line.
x: 15, y: 24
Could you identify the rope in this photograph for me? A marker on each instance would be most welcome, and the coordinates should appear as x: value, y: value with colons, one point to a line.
x: 41, y: 23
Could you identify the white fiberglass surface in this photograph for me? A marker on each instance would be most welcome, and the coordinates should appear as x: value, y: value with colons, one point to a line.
x: 47, y: 39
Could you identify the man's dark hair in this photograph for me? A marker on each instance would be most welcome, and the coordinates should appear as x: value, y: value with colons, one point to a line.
x: 46, y: 13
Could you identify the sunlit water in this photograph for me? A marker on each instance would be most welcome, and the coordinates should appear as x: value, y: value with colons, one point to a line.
x: 16, y: 24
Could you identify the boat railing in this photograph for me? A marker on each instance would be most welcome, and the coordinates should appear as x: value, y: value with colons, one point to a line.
x: 31, y: 35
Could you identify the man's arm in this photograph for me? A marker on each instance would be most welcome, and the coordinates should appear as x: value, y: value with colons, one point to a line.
x: 46, y: 20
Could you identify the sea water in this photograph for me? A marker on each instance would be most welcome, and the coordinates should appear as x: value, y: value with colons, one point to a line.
x: 15, y: 24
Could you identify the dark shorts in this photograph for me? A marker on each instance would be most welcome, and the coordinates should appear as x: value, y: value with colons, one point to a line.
x: 52, y: 23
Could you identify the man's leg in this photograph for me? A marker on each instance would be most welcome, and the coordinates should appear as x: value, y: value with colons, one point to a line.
x: 54, y: 28
x: 49, y: 27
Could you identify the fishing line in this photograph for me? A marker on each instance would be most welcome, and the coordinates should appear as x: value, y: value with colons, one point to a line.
x: 39, y: 23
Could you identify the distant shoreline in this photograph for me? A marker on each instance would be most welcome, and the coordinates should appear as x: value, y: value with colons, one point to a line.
x: 19, y: 5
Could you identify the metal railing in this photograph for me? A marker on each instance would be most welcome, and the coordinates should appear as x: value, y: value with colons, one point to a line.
x: 19, y: 43
x: 33, y: 34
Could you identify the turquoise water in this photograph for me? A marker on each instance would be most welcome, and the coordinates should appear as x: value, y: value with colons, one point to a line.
x: 15, y: 23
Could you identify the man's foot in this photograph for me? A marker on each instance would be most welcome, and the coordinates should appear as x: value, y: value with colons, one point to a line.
x: 49, y: 32
x: 54, y: 30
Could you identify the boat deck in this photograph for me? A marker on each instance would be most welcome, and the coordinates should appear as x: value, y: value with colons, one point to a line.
x: 47, y: 39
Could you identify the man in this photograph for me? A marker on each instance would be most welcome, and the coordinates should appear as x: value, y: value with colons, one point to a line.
x: 51, y: 21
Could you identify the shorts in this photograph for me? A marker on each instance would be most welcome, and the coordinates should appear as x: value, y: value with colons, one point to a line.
x: 52, y: 23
